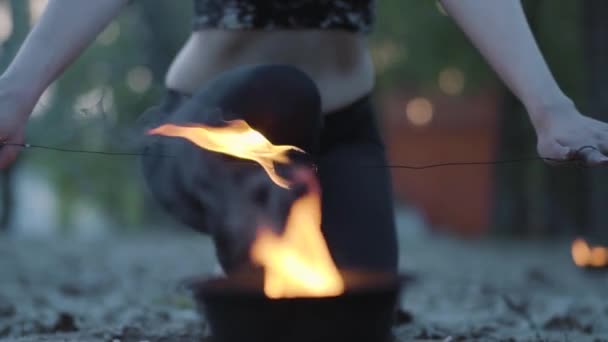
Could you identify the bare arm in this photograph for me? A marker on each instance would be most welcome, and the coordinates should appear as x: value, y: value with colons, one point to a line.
x: 65, y: 29
x: 500, y: 31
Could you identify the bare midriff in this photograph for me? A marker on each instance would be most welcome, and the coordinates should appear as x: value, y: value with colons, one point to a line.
x: 338, y: 61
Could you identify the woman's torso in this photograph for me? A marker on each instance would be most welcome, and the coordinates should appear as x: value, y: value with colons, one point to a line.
x: 337, y: 60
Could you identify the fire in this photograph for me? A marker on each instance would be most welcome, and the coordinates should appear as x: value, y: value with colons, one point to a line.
x: 297, y: 263
x: 236, y: 139
x: 586, y: 256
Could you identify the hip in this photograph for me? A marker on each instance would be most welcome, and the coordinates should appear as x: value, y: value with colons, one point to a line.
x: 338, y: 62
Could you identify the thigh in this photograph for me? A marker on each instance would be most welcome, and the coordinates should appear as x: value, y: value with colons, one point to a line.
x: 358, y: 214
x: 280, y: 101
x: 219, y: 195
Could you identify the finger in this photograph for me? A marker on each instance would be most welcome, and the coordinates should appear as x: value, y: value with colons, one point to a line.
x: 555, y: 154
x: 593, y: 157
x: 604, y: 147
x: 8, y: 155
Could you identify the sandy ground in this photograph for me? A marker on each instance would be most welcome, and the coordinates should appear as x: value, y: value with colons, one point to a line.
x: 127, y: 289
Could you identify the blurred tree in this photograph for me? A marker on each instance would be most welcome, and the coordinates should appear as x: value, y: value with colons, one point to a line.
x: 415, y: 41
x: 19, y: 12
x: 596, y: 56
x: 94, y: 106
x: 536, y: 199
x: 518, y: 188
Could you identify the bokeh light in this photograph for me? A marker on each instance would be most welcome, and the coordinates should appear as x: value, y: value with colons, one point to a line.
x: 37, y: 7
x: 440, y: 8
x: 110, y: 35
x: 139, y: 79
x: 452, y: 81
x: 93, y: 103
x: 6, y: 21
x: 419, y: 111
x: 387, y: 53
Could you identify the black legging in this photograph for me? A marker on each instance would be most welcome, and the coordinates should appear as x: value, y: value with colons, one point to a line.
x: 283, y: 103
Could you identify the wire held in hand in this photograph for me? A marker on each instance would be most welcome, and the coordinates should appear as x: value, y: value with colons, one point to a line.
x: 576, y: 160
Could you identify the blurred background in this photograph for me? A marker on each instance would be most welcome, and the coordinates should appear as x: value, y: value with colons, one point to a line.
x: 438, y: 102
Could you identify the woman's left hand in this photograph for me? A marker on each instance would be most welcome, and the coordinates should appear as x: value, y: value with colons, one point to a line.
x: 564, y: 134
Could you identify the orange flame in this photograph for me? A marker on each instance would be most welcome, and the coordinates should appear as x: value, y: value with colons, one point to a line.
x: 237, y: 139
x: 298, y: 263
x: 587, y: 256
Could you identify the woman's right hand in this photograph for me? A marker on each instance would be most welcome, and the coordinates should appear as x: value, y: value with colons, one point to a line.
x: 15, y: 108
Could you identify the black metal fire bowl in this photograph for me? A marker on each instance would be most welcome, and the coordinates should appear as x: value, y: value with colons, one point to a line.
x: 238, y: 311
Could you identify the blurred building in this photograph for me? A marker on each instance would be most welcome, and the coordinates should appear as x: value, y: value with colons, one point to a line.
x: 443, y: 129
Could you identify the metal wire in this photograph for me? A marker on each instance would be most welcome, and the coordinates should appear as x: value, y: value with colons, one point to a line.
x: 576, y: 162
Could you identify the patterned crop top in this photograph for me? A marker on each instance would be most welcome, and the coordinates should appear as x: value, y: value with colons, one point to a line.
x: 349, y: 15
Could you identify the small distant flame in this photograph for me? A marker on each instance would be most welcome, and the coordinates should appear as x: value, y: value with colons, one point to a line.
x: 298, y: 263
x: 236, y: 139
x: 585, y: 255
